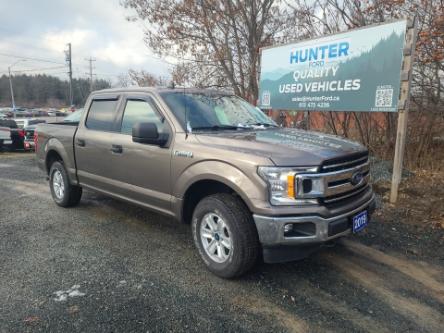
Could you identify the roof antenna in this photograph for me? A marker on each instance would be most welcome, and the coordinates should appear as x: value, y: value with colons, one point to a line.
x: 188, y: 128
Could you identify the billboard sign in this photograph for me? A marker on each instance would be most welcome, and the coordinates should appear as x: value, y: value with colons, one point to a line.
x: 359, y: 70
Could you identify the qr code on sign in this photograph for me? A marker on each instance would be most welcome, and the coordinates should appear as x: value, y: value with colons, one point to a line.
x: 266, y: 98
x: 384, y: 97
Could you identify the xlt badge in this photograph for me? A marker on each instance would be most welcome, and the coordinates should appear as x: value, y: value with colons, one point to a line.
x: 183, y: 153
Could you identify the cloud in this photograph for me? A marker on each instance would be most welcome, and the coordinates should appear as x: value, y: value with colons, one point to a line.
x: 122, y: 54
x: 56, y: 41
x: 94, y: 28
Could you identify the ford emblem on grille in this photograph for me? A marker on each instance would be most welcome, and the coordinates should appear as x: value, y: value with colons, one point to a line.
x: 356, y: 178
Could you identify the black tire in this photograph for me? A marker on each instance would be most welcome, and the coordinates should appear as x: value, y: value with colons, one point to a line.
x: 71, y: 194
x: 243, y: 234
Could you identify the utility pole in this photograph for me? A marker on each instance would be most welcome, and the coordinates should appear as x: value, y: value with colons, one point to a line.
x: 91, y: 82
x: 10, y: 82
x: 69, y: 61
x: 12, y: 90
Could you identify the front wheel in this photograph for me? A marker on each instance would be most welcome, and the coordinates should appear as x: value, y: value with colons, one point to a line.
x: 63, y: 193
x: 225, y: 235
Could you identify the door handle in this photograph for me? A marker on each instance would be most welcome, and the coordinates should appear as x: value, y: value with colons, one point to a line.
x: 80, y: 142
x: 117, y: 149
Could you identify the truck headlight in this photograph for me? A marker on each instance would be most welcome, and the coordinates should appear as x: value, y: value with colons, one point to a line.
x: 284, y: 187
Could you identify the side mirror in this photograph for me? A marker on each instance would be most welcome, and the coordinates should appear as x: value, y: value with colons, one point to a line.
x: 147, y: 133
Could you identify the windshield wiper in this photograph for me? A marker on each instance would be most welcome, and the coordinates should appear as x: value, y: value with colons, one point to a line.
x: 215, y: 128
x: 262, y: 124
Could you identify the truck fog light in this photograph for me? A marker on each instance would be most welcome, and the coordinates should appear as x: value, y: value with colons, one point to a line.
x: 288, y: 228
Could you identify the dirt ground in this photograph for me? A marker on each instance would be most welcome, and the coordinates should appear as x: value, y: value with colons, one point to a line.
x: 106, y: 266
x: 421, y: 200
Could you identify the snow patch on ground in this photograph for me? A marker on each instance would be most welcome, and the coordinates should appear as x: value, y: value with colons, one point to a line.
x: 62, y: 295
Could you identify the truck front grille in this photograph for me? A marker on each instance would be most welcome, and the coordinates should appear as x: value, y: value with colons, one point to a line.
x: 345, y: 162
x: 345, y: 195
x: 344, y: 181
x: 338, y: 180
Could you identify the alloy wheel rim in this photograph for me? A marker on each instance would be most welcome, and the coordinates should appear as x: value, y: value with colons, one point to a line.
x: 58, y: 184
x: 216, y: 238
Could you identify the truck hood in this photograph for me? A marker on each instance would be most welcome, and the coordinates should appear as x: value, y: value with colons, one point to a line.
x: 283, y: 146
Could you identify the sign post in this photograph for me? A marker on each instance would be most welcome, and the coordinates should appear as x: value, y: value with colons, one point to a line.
x: 404, y: 104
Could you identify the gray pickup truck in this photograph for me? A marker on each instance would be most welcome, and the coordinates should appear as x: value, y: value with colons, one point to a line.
x: 249, y: 188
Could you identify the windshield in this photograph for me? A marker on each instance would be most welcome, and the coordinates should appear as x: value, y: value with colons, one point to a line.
x: 74, y: 117
x: 214, y: 112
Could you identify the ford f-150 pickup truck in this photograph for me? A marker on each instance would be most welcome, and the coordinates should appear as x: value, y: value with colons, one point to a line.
x: 249, y: 188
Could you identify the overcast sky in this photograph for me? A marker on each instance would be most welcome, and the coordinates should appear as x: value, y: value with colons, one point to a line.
x: 97, y: 28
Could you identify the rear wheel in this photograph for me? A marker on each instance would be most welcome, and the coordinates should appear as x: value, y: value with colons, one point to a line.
x: 225, y: 235
x: 63, y: 193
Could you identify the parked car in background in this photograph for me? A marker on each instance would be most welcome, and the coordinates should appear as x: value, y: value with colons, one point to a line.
x: 74, y: 117
x: 8, y: 114
x: 56, y: 113
x: 29, y: 141
x: 39, y: 113
x: 29, y: 126
x: 17, y: 135
x: 23, y: 123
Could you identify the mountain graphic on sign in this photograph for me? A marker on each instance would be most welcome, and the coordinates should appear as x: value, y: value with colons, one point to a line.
x: 378, y: 66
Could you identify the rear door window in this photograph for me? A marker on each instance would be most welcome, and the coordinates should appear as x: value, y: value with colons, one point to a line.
x: 101, y: 115
x: 140, y: 111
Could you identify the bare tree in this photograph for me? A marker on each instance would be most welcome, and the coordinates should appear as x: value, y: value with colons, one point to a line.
x: 140, y: 78
x: 143, y: 78
x: 217, y: 42
x: 123, y: 80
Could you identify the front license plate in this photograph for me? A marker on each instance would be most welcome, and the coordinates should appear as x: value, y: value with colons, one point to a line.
x: 7, y: 142
x: 360, y: 221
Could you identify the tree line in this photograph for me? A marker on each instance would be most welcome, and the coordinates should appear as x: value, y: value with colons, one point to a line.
x: 45, y: 91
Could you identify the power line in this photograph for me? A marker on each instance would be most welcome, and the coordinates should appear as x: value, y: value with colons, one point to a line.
x: 34, y: 69
x: 30, y: 58
x: 107, y: 74
x: 51, y: 73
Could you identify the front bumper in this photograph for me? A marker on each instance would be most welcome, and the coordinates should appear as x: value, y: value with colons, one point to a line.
x: 320, y: 230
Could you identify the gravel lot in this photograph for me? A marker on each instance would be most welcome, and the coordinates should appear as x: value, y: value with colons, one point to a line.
x: 106, y: 266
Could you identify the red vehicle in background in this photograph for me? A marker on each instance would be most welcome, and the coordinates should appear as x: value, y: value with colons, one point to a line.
x: 29, y: 142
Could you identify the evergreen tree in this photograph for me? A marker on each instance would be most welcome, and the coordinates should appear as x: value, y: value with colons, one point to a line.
x: 45, y: 91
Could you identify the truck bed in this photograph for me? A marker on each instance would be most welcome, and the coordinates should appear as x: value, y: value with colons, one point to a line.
x: 63, y: 133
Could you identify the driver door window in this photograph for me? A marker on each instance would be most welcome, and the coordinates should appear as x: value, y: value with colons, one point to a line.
x: 142, y: 171
x: 140, y: 111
